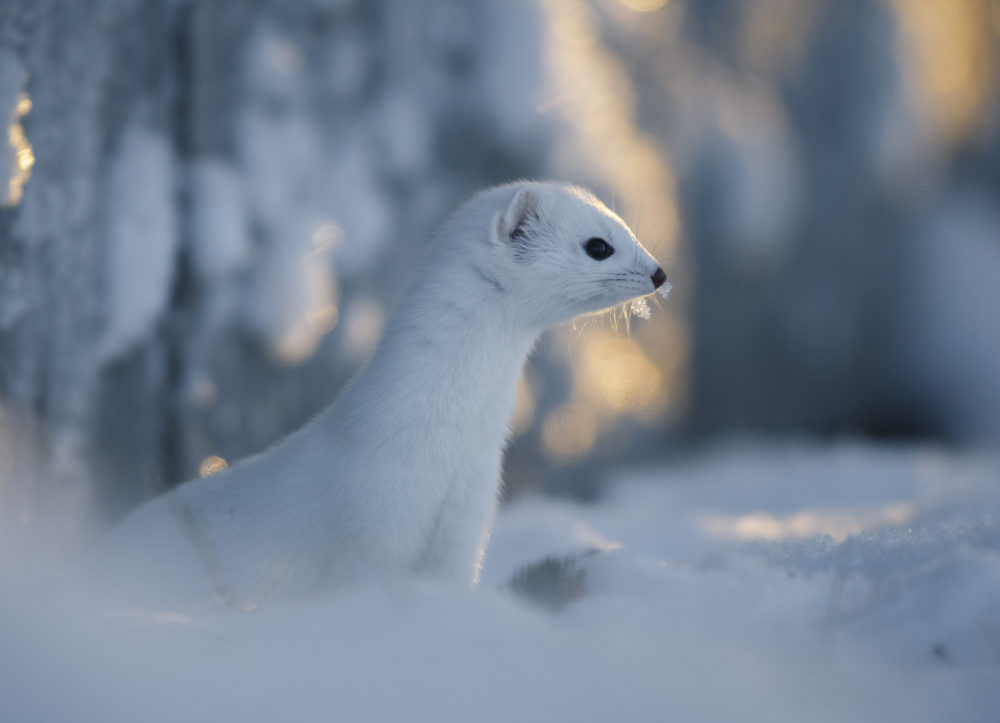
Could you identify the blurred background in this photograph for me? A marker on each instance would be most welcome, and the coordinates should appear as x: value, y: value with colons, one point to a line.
x: 210, y: 209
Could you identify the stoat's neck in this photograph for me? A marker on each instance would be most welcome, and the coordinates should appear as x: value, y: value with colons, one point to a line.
x: 445, y: 373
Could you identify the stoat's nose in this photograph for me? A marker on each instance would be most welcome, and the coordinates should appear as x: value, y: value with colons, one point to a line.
x: 658, y: 278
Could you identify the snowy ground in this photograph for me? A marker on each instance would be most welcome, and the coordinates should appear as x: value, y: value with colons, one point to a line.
x: 732, y: 585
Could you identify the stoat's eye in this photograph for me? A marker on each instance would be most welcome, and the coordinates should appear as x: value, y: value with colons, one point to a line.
x: 598, y: 248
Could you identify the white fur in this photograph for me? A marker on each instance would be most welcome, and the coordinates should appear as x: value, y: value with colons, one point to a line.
x: 401, y: 473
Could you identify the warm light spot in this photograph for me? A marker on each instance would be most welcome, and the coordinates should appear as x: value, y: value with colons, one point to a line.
x: 524, y: 408
x: 211, y: 465
x: 14, y: 193
x: 23, y: 154
x: 325, y: 318
x: 25, y: 159
x: 590, y: 90
x: 615, y: 371
x: 838, y: 524
x: 590, y: 93
x: 312, y: 311
x: 949, y: 60
x: 666, y: 345
x: 643, y: 6
x: 363, y: 327
x: 297, y: 343
x: 569, y: 432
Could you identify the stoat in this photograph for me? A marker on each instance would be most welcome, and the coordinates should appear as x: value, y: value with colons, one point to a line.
x: 401, y: 472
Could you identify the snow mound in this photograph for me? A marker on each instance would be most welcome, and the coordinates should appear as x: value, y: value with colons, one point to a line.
x: 660, y: 602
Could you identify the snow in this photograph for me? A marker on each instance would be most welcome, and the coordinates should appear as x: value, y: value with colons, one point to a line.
x: 686, y: 611
x: 223, y: 245
x: 141, y: 237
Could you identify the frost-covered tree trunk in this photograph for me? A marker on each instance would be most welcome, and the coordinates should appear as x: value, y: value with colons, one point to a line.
x: 88, y: 72
x: 226, y: 199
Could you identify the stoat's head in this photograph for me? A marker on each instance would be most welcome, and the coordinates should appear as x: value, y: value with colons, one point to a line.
x: 559, y: 252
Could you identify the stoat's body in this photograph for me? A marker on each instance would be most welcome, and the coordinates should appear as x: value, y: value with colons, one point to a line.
x: 401, y: 472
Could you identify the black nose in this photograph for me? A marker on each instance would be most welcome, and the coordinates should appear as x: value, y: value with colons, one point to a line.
x: 658, y: 278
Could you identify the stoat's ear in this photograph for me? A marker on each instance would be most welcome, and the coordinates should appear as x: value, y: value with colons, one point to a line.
x: 522, y: 209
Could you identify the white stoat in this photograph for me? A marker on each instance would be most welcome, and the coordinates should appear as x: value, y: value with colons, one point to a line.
x: 401, y: 473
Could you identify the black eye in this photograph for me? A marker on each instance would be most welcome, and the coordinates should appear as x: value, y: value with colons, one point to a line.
x: 598, y: 248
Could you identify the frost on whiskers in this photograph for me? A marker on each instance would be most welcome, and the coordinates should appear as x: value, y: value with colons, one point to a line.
x: 640, y: 307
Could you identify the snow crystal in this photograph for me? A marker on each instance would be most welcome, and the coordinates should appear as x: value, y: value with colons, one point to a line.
x: 639, y: 307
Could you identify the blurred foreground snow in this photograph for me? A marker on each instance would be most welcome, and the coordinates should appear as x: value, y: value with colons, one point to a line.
x: 730, y: 586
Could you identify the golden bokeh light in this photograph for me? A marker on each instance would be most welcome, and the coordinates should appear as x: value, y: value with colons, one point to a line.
x: 24, y: 155
x: 589, y: 89
x: 643, y: 6
x: 25, y: 159
x: 947, y: 59
x: 211, y: 465
x: 363, y: 327
x: 666, y: 344
x: 616, y: 371
x: 838, y: 524
x: 615, y: 377
x: 524, y: 407
x: 318, y: 314
x: 591, y: 95
x: 569, y: 432
x: 325, y: 318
